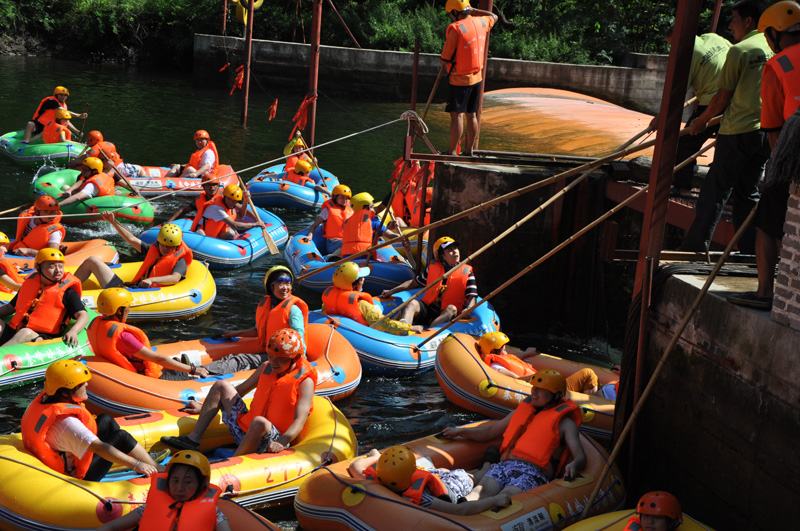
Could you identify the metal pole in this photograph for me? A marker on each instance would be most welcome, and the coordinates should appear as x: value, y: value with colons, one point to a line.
x: 224, y: 17
x: 415, y: 76
x: 715, y: 18
x: 486, y: 5
x: 423, y: 208
x: 313, y: 67
x: 248, y: 46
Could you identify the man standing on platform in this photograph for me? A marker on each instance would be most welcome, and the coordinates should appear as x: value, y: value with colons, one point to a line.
x: 463, y: 58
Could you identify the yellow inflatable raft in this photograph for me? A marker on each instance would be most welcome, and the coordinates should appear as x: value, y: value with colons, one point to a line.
x: 74, y: 254
x: 32, y: 496
x: 332, y: 500
x: 473, y: 385
x: 616, y: 521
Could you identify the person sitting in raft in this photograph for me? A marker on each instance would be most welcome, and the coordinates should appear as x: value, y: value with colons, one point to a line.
x: 114, y: 340
x: 59, y: 430
x: 539, y: 440
x: 346, y: 298
x: 58, y: 130
x: 439, y: 489
x: 298, y: 174
x: 39, y: 227
x: 331, y: 216
x: 164, y: 264
x: 217, y: 218
x: 46, y: 300
x: 656, y: 511
x: 293, y: 149
x: 10, y: 279
x: 210, y: 190
x: 186, y: 486
x: 91, y: 182
x: 284, y: 390
x: 492, y: 346
x: 46, y: 113
x: 204, y: 160
x: 362, y: 229
x: 448, y: 298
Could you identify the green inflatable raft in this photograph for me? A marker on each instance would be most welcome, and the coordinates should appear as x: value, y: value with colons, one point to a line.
x: 127, y: 205
x: 26, y: 363
x: 38, y: 153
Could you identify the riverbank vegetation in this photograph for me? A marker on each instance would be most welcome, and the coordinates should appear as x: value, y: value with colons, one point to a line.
x: 578, y: 31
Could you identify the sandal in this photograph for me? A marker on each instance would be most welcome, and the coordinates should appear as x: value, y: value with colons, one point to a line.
x: 181, y: 442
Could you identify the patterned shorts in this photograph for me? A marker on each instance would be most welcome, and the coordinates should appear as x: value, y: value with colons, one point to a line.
x: 230, y: 418
x: 458, y: 482
x: 516, y: 473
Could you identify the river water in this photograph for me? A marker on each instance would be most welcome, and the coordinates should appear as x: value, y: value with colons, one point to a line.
x: 150, y: 116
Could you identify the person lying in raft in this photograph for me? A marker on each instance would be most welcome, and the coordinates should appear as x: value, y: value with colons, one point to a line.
x: 217, y: 218
x: 59, y: 430
x: 114, y: 340
x: 331, y: 216
x: 204, y: 160
x: 543, y: 427
x: 656, y: 511
x: 186, y: 486
x: 298, y: 174
x: 39, y: 227
x: 210, y: 190
x: 10, y: 279
x: 346, y: 298
x: 164, y: 264
x: 363, y: 228
x: 284, y: 390
x: 439, y: 489
x: 442, y: 303
x: 91, y: 182
x: 44, y: 304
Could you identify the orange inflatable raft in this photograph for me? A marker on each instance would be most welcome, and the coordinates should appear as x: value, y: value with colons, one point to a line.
x: 243, y: 519
x: 330, y: 499
x: 74, y: 255
x: 469, y: 383
x: 118, y: 391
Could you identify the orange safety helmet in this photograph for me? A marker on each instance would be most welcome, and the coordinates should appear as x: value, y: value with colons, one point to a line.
x: 780, y: 16
x: 285, y: 343
x: 456, y: 5
x: 395, y: 467
x: 550, y: 380
x: 660, y: 503
x: 201, y: 134
x: 93, y: 137
x: 45, y: 203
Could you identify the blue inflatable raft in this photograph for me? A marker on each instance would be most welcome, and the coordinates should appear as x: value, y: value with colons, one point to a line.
x: 384, y: 354
x: 304, y: 254
x: 270, y: 190
x: 229, y: 254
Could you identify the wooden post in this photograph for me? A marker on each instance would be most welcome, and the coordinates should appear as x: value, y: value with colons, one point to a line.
x: 248, y: 47
x: 715, y: 18
x: 313, y: 68
x: 224, y: 17
x: 487, y: 6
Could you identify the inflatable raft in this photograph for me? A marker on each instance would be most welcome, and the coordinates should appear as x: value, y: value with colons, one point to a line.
x: 75, y: 254
x: 229, y: 254
x: 616, y: 521
x: 37, y: 152
x: 473, y: 385
x: 153, y: 180
x: 32, y: 496
x: 118, y: 391
x: 332, y: 500
x: 303, y: 255
x: 387, y: 354
x: 269, y: 189
x: 241, y: 518
x: 127, y: 205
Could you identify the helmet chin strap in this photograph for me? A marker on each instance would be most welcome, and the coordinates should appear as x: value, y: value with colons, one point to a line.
x: 41, y: 273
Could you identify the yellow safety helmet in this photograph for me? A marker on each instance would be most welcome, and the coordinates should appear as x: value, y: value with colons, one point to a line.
x: 444, y: 241
x: 193, y: 459
x: 342, y: 189
x: 49, y: 254
x: 395, y: 467
x: 274, y: 270
x: 93, y: 163
x: 347, y: 273
x: 67, y: 374
x: 303, y: 167
x: 60, y: 90
x: 63, y: 114
x: 112, y: 299
x: 492, y: 341
x: 456, y: 5
x: 233, y: 192
x: 781, y: 16
x: 170, y: 235
x: 361, y: 200
x: 201, y: 134
x: 4, y: 238
x: 550, y: 380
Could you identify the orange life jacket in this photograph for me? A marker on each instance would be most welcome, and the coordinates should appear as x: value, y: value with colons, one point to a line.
x: 269, y: 320
x: 45, y: 117
x: 634, y: 524
x: 103, y: 183
x: 7, y: 268
x: 276, y: 396
x: 38, y: 236
x: 510, y: 362
x: 471, y: 47
x: 197, y: 156
x: 110, y: 151
x: 39, y: 418
x: 41, y: 308
x: 162, y: 512
x: 336, y: 216
x: 212, y: 227
x: 357, y: 232
x: 201, y: 199
x: 786, y: 66
x: 103, y: 334
x: 52, y: 133
x: 296, y: 178
x: 534, y: 436
x: 336, y: 301
x: 157, y: 265
x: 454, y: 292
x: 421, y: 481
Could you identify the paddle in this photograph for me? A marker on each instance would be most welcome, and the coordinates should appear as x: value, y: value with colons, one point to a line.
x: 273, y: 249
x: 18, y: 207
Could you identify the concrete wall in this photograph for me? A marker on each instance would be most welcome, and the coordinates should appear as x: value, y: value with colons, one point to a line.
x: 388, y: 73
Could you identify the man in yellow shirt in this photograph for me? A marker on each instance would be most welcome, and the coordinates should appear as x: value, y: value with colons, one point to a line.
x: 463, y: 59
